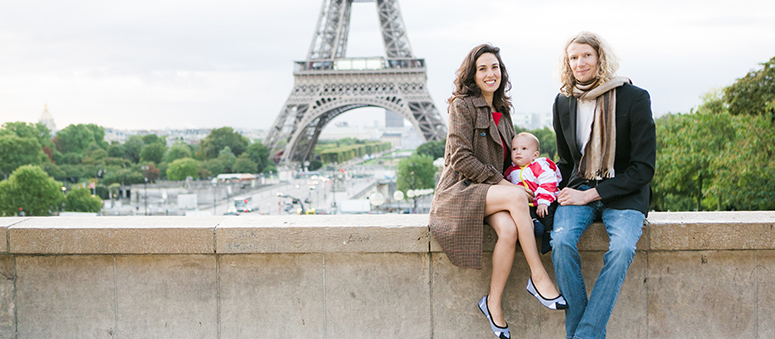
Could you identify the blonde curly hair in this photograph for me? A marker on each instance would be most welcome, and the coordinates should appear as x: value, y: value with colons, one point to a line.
x: 607, y: 62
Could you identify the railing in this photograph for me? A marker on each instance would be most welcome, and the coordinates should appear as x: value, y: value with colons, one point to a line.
x: 359, y: 65
x: 708, y: 275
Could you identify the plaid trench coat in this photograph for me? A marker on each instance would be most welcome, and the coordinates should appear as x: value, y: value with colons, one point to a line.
x: 473, y: 161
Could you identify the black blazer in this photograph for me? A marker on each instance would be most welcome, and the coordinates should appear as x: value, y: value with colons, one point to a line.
x: 635, y: 149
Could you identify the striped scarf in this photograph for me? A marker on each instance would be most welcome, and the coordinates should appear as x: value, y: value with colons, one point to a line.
x: 597, y: 163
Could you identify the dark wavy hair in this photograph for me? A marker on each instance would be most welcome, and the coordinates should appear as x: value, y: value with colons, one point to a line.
x: 465, y: 84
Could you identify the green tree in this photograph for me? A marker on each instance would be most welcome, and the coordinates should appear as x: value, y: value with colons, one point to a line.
x: 416, y: 172
x: 178, y: 150
x: 227, y: 158
x: 686, y: 147
x: 212, y: 167
x: 153, y: 138
x: 68, y: 158
x: 132, y: 147
x: 126, y: 176
x: 116, y: 150
x: 16, y: 151
x: 259, y: 153
x: 244, y: 165
x: 753, y: 94
x: 29, y: 190
x: 548, y: 142
x: 220, y: 138
x: 745, y: 170
x: 76, y: 138
x: 182, y: 168
x: 93, y: 154
x: 55, y: 172
x: 270, y: 168
x: 435, y: 149
x: 81, y: 200
x: 99, y: 135
x: 153, y: 152
x: 24, y: 130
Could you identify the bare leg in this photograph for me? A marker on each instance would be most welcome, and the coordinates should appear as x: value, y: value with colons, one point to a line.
x: 513, y: 200
x: 502, y: 261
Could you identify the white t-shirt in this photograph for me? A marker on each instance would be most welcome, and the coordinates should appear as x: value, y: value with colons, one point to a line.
x: 585, y: 115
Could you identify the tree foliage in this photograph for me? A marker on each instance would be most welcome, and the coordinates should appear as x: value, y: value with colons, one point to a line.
x: 76, y: 138
x: 30, y: 191
x: 24, y: 130
x: 713, y: 159
x: 182, y: 168
x: 153, y: 152
x: 753, y: 94
x: 435, y: 149
x: 16, y: 151
x: 132, y: 148
x: 125, y: 176
x: 81, y: 200
x: 244, y: 165
x: 219, y: 138
x: 259, y: 154
x: 745, y: 169
x: 178, y: 150
x: 416, y: 172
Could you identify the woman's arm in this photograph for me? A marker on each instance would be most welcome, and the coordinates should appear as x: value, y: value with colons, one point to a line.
x: 462, y: 118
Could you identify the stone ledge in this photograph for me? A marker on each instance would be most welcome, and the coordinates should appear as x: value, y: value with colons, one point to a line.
x: 4, y: 224
x: 666, y: 231
x: 676, y: 231
x: 323, y: 234
x: 113, y: 235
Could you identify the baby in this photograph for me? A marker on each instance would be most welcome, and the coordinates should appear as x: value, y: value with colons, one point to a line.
x: 539, y: 175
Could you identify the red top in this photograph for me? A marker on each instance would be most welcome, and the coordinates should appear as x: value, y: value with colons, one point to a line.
x: 497, y: 117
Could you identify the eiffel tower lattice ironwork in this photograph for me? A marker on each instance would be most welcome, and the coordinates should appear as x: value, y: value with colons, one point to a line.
x: 328, y: 83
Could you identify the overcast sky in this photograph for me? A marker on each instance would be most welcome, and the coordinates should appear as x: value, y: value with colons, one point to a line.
x: 149, y: 64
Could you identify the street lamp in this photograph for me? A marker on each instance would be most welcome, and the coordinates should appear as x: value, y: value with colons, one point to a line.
x: 411, y: 194
x: 398, y: 196
x: 146, y: 195
x: 145, y: 176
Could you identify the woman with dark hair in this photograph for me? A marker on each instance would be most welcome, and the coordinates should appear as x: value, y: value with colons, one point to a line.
x: 472, y: 190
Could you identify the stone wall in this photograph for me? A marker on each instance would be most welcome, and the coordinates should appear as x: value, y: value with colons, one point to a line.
x: 695, y: 275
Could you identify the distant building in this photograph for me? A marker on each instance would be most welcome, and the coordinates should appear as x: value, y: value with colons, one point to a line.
x: 394, y: 138
x: 47, y: 120
x: 343, y: 130
x: 411, y: 138
x: 532, y: 121
x: 191, y: 136
x: 393, y: 119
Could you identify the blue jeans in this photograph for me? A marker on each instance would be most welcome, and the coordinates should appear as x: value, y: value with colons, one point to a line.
x: 586, y: 318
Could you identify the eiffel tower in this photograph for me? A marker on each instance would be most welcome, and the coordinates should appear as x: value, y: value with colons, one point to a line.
x: 328, y: 84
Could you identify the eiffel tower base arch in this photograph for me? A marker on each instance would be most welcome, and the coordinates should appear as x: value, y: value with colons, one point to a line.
x: 317, y: 99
